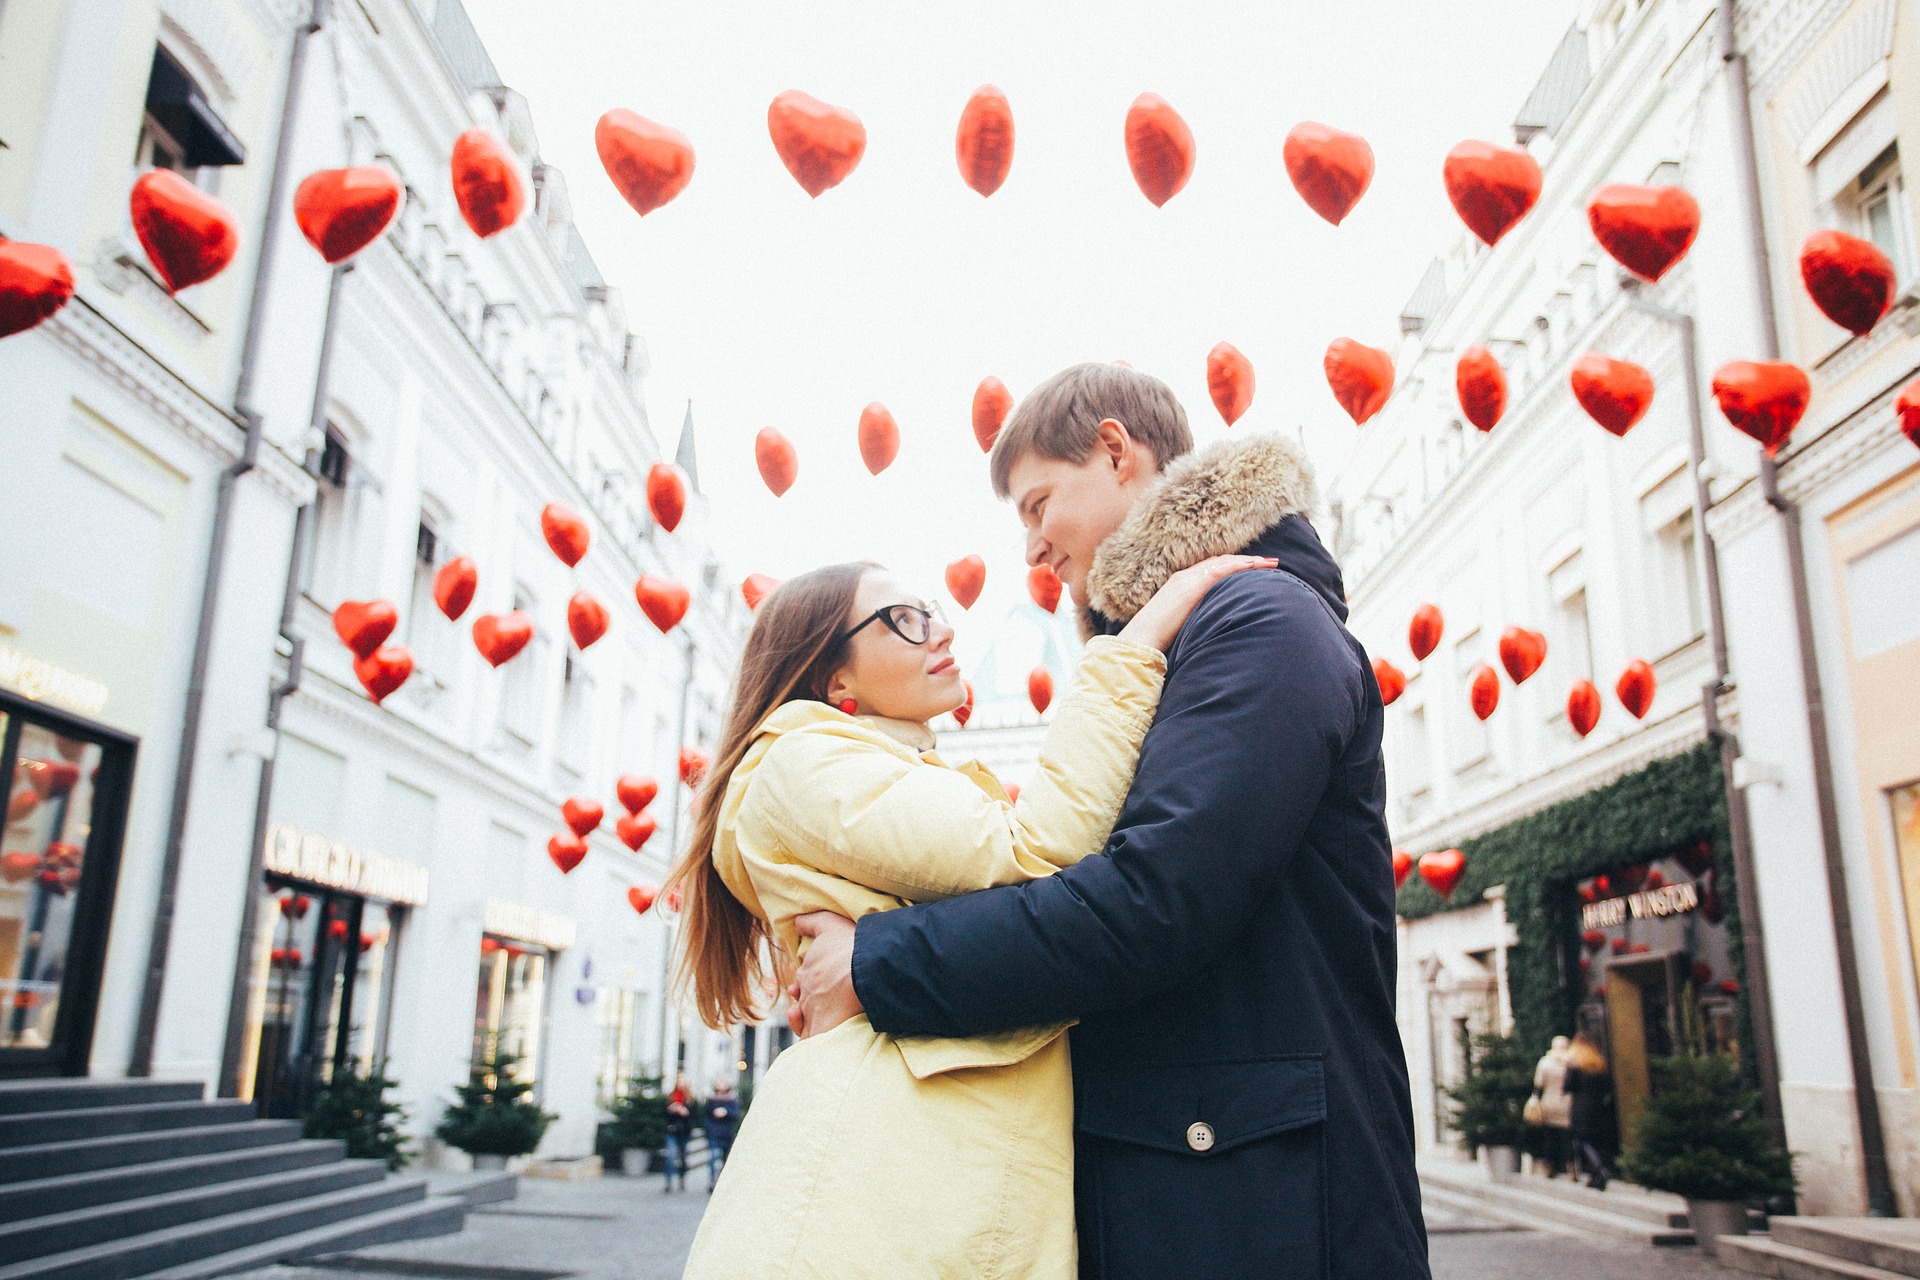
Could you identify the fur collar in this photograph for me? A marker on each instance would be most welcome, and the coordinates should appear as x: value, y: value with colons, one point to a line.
x: 1210, y: 503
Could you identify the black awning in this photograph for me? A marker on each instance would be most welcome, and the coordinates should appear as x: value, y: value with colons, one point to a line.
x: 177, y: 103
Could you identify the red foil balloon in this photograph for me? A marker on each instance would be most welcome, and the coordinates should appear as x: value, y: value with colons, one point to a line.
x: 1646, y: 229
x: 1040, y: 689
x: 1425, y: 630
x: 1635, y: 689
x: 1483, y: 691
x: 36, y: 280
x: 383, y: 670
x: 501, y: 636
x: 648, y: 163
x: 364, y: 625
x: 634, y: 830
x: 964, y: 712
x: 1521, y: 652
x: 566, y: 533
x: 586, y: 619
x: 567, y: 851
x: 1392, y: 681
x: 1043, y: 586
x: 342, y: 211
x: 582, y: 815
x: 640, y: 897
x: 666, y: 494
x: 1229, y: 381
x: 819, y: 143
x: 694, y: 763
x: 1491, y: 187
x: 1764, y: 398
x: 1361, y: 378
x: 779, y: 464
x: 635, y: 791
x: 1402, y: 867
x: 1615, y: 393
x: 757, y: 587
x: 965, y: 577
x: 1849, y: 279
x: 1159, y: 148
x: 664, y: 601
x: 189, y: 236
x: 879, y: 437
x: 984, y: 142
x: 1908, y: 409
x: 1329, y: 168
x: 486, y: 183
x: 992, y: 402
x: 1481, y: 385
x: 1443, y: 870
x: 453, y: 586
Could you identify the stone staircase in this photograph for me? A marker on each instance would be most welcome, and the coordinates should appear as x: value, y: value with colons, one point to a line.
x: 1623, y: 1211
x: 115, y: 1179
x: 1827, y: 1249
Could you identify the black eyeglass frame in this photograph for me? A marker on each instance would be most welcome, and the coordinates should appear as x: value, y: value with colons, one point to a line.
x: 883, y: 615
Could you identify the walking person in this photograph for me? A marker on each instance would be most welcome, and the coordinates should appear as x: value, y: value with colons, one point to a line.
x: 720, y: 1120
x: 1590, y: 1088
x: 1551, y: 1107
x: 679, y: 1131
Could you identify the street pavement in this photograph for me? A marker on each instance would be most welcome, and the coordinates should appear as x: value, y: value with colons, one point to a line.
x: 626, y: 1229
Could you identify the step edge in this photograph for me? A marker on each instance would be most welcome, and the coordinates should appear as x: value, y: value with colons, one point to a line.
x: 186, y: 1195
x: 1770, y: 1247
x: 64, y: 1181
x: 318, y: 1241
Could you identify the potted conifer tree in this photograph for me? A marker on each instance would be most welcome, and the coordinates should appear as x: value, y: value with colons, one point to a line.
x: 356, y: 1109
x: 638, y: 1128
x: 494, y: 1119
x: 1489, y: 1104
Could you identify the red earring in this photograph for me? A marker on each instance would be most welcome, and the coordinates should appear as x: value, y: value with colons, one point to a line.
x: 847, y: 705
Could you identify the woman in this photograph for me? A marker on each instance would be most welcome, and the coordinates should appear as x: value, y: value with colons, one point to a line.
x: 866, y: 1155
x: 1555, y: 1105
x: 1589, y: 1086
x: 679, y: 1130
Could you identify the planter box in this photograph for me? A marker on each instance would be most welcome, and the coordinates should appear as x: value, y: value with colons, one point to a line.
x: 1711, y: 1219
x: 1503, y: 1163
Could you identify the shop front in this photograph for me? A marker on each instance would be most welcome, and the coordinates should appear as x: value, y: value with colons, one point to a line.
x: 514, y: 989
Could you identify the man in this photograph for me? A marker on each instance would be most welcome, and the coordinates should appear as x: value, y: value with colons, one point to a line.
x: 1241, y: 1101
x: 720, y: 1118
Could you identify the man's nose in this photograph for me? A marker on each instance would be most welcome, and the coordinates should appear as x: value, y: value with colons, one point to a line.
x: 1037, y: 547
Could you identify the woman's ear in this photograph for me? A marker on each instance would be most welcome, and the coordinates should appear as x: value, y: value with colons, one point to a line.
x: 838, y: 687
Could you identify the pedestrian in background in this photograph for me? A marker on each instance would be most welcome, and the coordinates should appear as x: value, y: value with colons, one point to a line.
x: 720, y: 1117
x: 679, y: 1129
x: 1550, y: 1109
x: 1589, y: 1087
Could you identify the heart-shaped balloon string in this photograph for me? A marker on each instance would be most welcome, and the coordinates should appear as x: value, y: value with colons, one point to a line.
x: 756, y: 587
x: 566, y: 533
x: 342, y: 211
x: 1361, y: 378
x: 1848, y: 278
x: 1646, y: 229
x: 819, y: 143
x: 586, y: 619
x: 965, y: 577
x: 486, y: 183
x: 567, y: 851
x: 879, y: 437
x: 779, y: 464
x: 1491, y: 187
x: 1764, y: 398
x: 1229, y: 381
x: 1635, y: 689
x: 1040, y: 689
x: 984, y: 142
x: 1908, y: 409
x: 1615, y: 393
x: 1392, y: 681
x: 453, y: 586
x: 189, y: 236
x: 964, y: 712
x: 635, y: 791
x: 1160, y: 148
x: 1483, y: 690
x: 1402, y: 867
x: 694, y: 763
x: 1043, y: 587
x: 663, y: 600
x: 648, y: 163
x: 1424, y: 630
x: 666, y: 494
x: 383, y: 670
x: 1481, y: 385
x: 634, y: 830
x: 1331, y: 169
x: 501, y: 636
x: 992, y: 402
x: 641, y: 896
x: 582, y: 814
x: 36, y: 280
x: 1443, y: 870
x: 364, y: 625
x: 1521, y: 652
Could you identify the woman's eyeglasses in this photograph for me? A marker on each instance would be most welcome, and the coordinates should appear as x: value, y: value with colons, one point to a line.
x: 908, y: 621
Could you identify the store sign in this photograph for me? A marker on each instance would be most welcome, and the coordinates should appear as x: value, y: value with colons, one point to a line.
x: 335, y: 864
x: 1649, y: 904
x: 529, y: 924
x: 44, y: 682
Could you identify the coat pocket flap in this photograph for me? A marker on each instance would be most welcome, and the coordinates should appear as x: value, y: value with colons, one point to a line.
x: 935, y: 1055
x: 1203, y: 1108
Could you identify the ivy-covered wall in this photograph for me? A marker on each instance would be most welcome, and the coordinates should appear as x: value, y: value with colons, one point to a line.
x: 1671, y: 804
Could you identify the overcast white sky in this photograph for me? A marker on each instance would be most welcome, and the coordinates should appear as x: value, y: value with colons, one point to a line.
x: 902, y: 285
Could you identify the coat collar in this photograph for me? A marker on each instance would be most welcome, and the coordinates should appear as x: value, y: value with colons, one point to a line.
x: 911, y: 734
x: 1211, y: 503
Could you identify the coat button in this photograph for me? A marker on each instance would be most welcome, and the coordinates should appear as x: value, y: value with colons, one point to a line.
x: 1200, y: 1136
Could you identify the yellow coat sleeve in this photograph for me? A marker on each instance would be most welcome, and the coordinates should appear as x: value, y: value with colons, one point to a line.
x: 920, y: 831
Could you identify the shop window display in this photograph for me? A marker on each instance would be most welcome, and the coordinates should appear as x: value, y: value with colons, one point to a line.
x: 510, y: 1005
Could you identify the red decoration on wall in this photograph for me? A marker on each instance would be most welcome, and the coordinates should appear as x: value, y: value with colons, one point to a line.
x: 16, y: 866
x: 992, y: 402
x: 453, y: 586
x: 879, y: 437
x: 756, y: 587
x: 1159, y: 148
x: 694, y: 763
x: 1763, y: 398
x: 1361, y: 377
x: 819, y: 143
x: 364, y: 625
x: 965, y: 577
x: 648, y: 163
x: 635, y: 791
x: 1229, y: 381
x: 189, y: 236
x: 586, y: 618
x: 1908, y: 407
x: 1848, y: 278
x: 1583, y: 707
x: 566, y: 533
x: 1425, y: 630
x: 501, y: 636
x: 1481, y: 385
x: 1697, y: 858
x: 342, y: 211
x: 582, y: 814
x: 1521, y: 652
x: 1615, y: 393
x: 1443, y: 870
x: 567, y: 850
x: 779, y: 464
x: 1593, y: 940
x: 663, y: 600
x: 1491, y: 187
x: 666, y: 494
x: 635, y: 829
x: 1331, y: 169
x: 984, y: 142
x: 1402, y: 868
x: 1392, y: 681
x: 1635, y: 689
x: 384, y: 670
x: 36, y: 280
x: 486, y: 183
x: 1040, y: 689
x: 1483, y: 690
x: 1646, y: 229
x: 641, y: 897
x: 1043, y: 586
x: 51, y: 779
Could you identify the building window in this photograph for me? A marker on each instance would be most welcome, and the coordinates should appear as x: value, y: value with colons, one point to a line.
x: 1881, y: 203
x: 1416, y: 764
x: 181, y: 130
x: 1674, y: 595
x: 510, y: 1005
x: 576, y: 716
x: 423, y: 633
x: 520, y: 702
x: 616, y: 1010
x: 329, y: 549
x: 1571, y: 642
x: 1467, y: 733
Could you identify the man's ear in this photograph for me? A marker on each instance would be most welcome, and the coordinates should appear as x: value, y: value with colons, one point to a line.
x: 1129, y: 458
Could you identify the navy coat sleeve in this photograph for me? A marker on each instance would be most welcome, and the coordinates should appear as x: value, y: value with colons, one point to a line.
x: 1264, y: 690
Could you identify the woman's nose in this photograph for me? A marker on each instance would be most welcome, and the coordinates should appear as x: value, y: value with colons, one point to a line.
x: 940, y: 634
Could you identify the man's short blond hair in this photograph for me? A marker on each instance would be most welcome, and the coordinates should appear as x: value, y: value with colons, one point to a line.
x: 1061, y: 418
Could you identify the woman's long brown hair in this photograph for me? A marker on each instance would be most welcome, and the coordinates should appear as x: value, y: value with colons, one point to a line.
x: 791, y: 653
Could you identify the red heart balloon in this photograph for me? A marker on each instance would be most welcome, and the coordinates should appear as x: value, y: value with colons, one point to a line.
x: 1424, y: 631
x: 1646, y: 229
x: 649, y: 163
x: 1443, y: 870
x: 586, y: 619
x: 1392, y: 681
x: 51, y: 779
x: 641, y: 896
x: 1361, y: 378
x: 500, y: 636
x: 694, y: 763
x: 965, y: 577
x: 1491, y: 187
x: 879, y: 438
x: 1635, y: 689
x: 364, y: 625
x: 663, y: 600
x: 342, y: 211
x: 819, y: 143
x: 189, y: 236
x: 1583, y: 707
x: 36, y: 280
x: 567, y: 851
x: 1615, y: 393
x: 1483, y: 691
x: 1402, y: 867
x: 992, y: 402
x: 16, y: 867
x: 1040, y: 689
x: 1849, y: 279
x: 1521, y: 652
x: 582, y: 815
x: 634, y: 830
x: 1330, y: 169
x: 1159, y: 148
x: 964, y: 712
x: 566, y: 533
x: 757, y: 587
x: 1481, y: 385
x: 984, y: 143
x: 22, y: 802
x: 453, y: 586
x: 1908, y: 407
x: 779, y: 465
x: 1593, y: 940
x: 635, y: 791
x: 1043, y: 585
x: 1229, y: 381
x: 1764, y: 398
x: 486, y: 183
x: 383, y: 670
x: 666, y: 494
